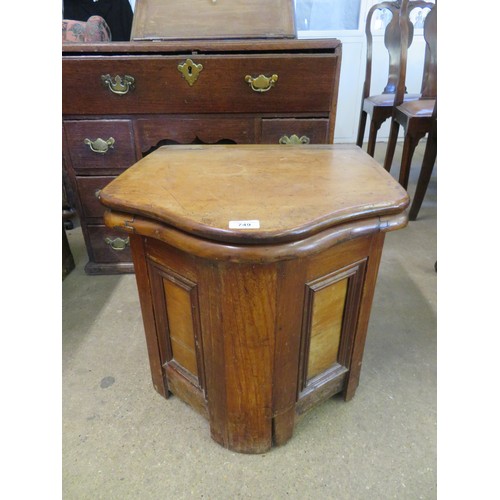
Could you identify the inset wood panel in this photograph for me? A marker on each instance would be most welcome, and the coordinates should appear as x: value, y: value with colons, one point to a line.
x: 177, y: 319
x: 331, y: 309
x: 326, y: 326
x: 180, y: 325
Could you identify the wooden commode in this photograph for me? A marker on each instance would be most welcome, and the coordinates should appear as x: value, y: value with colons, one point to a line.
x: 256, y: 267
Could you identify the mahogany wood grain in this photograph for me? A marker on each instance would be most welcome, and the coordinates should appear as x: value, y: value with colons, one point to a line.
x: 159, y: 87
x: 255, y: 330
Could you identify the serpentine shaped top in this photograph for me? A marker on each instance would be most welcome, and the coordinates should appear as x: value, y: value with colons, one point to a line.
x: 279, y: 193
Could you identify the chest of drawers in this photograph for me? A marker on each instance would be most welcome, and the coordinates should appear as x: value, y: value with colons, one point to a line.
x: 122, y: 101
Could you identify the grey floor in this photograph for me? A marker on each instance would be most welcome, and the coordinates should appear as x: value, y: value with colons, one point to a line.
x: 121, y: 440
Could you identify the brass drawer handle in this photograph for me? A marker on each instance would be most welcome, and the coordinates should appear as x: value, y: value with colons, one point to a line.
x: 118, y: 85
x: 100, y: 145
x: 294, y: 139
x: 118, y: 244
x: 262, y: 83
x: 98, y: 194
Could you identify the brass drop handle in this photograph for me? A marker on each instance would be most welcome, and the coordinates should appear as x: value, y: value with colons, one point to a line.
x: 100, y: 145
x: 118, y: 85
x: 294, y: 139
x: 98, y: 193
x: 262, y: 83
x: 118, y: 244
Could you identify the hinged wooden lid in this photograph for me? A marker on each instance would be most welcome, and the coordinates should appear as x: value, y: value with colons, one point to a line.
x: 202, y: 19
x: 279, y: 193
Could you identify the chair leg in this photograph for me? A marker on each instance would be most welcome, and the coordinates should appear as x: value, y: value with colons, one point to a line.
x: 425, y: 175
x: 409, y: 145
x: 372, y: 138
x: 391, y: 145
x: 361, y: 128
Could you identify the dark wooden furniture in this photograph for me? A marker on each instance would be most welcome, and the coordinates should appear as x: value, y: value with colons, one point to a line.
x: 416, y: 116
x: 256, y: 268
x: 123, y: 100
x: 380, y: 106
x: 426, y: 168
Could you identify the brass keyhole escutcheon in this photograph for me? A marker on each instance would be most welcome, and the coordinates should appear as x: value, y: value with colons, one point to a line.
x: 190, y: 71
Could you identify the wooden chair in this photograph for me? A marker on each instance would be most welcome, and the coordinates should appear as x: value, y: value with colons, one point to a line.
x: 426, y: 168
x: 380, y: 107
x: 416, y: 116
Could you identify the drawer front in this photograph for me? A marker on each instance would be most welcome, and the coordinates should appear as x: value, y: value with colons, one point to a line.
x: 88, y: 190
x: 153, y: 132
x: 100, y: 145
x: 222, y: 84
x: 294, y: 131
x: 109, y: 246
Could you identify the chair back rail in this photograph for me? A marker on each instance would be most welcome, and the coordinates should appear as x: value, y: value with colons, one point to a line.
x: 392, y: 41
x: 429, y: 80
x: 428, y: 88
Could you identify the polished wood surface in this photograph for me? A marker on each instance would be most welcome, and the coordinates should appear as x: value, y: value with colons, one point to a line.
x: 200, y: 189
x: 168, y: 19
x: 254, y: 327
x: 161, y: 108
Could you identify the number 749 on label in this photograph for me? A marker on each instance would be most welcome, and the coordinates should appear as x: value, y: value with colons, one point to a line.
x: 244, y: 224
